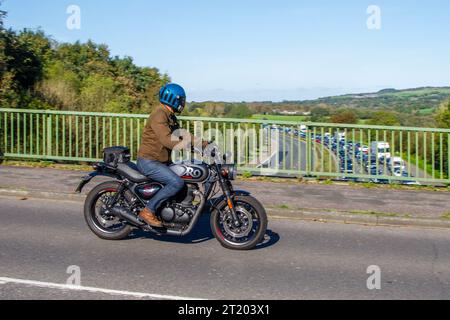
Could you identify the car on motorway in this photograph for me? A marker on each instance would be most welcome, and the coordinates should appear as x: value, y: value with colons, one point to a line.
x: 380, y: 181
x: 374, y: 171
x: 405, y: 174
x: 364, y: 149
x: 397, y: 164
x: 348, y: 170
x: 397, y: 172
x: 365, y: 158
x: 340, y: 136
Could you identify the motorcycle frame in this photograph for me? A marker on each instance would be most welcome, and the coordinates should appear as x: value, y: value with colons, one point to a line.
x: 102, y: 169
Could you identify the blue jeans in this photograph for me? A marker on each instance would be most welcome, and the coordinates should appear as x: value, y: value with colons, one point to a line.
x: 161, y: 173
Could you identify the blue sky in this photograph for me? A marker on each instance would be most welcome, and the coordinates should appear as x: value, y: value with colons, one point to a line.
x: 258, y: 50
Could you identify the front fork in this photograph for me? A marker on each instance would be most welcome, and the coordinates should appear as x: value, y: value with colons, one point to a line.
x: 228, y: 196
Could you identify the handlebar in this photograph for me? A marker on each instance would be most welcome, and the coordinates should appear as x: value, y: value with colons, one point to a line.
x: 211, y: 150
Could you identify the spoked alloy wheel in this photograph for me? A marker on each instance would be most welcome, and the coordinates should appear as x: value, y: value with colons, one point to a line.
x: 103, y: 220
x: 248, y: 220
x: 104, y: 224
x: 252, y: 228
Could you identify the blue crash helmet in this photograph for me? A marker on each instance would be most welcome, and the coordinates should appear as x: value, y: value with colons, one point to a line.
x: 173, y: 96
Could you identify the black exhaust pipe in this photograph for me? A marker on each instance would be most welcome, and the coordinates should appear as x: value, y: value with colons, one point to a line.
x: 131, y: 218
x: 127, y: 216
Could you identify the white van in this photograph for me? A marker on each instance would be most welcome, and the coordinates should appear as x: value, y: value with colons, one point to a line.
x: 398, y: 164
x: 381, y: 149
x: 303, y: 128
x: 340, y: 136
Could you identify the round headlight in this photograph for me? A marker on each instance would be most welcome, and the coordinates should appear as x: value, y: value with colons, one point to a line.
x: 229, y: 172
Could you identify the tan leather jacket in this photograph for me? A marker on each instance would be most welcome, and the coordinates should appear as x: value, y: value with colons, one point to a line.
x: 157, y: 140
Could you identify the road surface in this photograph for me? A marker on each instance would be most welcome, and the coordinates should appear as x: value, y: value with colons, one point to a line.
x: 40, y: 239
x: 291, y: 154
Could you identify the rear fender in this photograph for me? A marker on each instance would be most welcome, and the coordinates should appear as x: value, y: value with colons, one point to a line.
x: 86, y: 179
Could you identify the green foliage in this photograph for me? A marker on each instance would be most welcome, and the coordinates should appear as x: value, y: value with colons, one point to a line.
x: 218, y: 109
x: 399, y: 100
x: 20, y: 69
x: 21, y: 61
x: 443, y: 121
x: 2, y: 16
x: 247, y: 174
x: 103, y: 92
x: 446, y: 216
x: 345, y: 116
x: 320, y: 114
x: 238, y: 111
x: 384, y: 118
x: 37, y: 72
x: 60, y: 87
x: 278, y: 117
x: 411, y: 107
x: 443, y: 116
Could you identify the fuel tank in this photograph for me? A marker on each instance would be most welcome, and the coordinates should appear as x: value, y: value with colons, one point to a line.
x: 190, y: 171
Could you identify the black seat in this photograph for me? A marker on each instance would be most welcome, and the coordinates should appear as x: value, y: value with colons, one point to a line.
x: 130, y: 171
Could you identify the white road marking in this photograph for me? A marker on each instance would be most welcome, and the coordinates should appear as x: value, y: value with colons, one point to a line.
x: 59, y: 286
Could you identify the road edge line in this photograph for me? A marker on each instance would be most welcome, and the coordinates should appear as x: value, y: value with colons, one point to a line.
x: 50, y: 285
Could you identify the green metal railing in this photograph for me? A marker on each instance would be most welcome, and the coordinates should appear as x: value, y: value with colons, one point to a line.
x: 276, y: 148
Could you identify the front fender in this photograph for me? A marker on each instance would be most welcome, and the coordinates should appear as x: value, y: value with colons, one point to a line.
x: 215, y: 202
x: 241, y: 193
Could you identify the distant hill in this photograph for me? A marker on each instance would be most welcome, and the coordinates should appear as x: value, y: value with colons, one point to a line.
x: 419, y: 104
x: 406, y: 100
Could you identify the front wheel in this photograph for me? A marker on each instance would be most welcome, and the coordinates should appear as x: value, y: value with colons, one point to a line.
x: 250, y: 233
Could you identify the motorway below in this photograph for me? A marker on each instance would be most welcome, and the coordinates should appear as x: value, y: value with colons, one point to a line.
x: 291, y: 154
x: 40, y: 239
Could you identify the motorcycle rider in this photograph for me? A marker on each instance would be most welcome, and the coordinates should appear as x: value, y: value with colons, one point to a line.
x: 156, y: 145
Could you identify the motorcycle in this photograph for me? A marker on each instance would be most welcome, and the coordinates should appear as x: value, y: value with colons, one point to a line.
x: 238, y: 220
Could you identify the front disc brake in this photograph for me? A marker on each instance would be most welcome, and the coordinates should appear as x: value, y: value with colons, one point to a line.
x: 246, y: 221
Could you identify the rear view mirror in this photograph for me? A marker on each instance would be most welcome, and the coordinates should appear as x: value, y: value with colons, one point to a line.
x: 227, y: 156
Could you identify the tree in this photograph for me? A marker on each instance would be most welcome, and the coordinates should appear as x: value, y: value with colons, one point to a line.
x: 2, y: 16
x: 443, y: 121
x: 38, y: 72
x: 346, y: 116
x: 21, y: 60
x: 20, y: 69
x: 100, y: 93
x: 443, y: 115
x: 240, y: 110
x: 320, y: 114
x: 60, y: 87
x: 39, y: 43
x: 384, y: 118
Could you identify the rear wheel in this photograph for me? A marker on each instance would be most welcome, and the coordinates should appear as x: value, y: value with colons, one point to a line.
x: 253, y: 219
x: 102, y: 224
